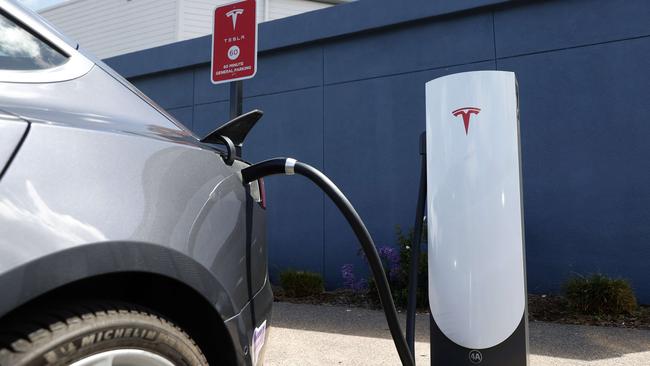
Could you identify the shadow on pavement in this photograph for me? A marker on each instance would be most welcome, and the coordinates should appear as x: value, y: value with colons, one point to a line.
x: 546, y: 339
x: 342, y: 320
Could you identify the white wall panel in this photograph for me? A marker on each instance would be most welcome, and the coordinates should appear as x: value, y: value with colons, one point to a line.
x: 286, y: 8
x: 111, y: 27
x: 196, y: 15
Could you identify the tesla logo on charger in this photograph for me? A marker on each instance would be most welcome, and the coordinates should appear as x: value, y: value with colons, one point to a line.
x: 466, y: 113
x: 233, y: 15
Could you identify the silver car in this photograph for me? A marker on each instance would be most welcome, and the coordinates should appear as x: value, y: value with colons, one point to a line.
x: 124, y: 239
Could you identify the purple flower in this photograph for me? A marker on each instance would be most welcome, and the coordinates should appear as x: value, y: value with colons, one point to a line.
x: 390, y: 257
x: 349, y: 279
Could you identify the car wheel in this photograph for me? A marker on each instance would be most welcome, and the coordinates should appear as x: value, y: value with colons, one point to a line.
x: 96, y: 335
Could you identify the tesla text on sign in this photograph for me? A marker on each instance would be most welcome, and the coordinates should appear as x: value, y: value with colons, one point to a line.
x: 234, y: 42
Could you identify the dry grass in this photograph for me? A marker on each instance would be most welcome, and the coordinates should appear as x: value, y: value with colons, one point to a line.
x: 547, y: 308
x: 556, y: 309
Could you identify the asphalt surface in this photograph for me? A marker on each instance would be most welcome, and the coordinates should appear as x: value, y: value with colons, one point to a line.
x: 332, y: 335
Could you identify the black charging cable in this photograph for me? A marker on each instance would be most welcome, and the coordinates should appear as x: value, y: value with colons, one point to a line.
x: 289, y: 166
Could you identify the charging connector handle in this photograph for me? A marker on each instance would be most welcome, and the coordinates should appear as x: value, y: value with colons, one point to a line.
x: 291, y: 166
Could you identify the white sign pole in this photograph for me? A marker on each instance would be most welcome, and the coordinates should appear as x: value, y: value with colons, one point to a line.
x: 477, y: 284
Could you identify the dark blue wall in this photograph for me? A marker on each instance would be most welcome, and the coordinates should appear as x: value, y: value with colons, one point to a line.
x: 343, y: 89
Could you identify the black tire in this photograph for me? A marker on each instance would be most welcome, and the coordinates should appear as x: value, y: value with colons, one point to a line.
x: 61, y: 335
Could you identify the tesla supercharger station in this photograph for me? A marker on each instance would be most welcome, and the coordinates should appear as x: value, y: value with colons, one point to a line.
x: 477, y: 284
x: 471, y: 177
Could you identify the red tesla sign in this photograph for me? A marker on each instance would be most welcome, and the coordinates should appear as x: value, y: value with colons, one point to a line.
x: 234, y: 42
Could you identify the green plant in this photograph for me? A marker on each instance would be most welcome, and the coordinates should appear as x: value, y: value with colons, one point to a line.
x: 399, y: 278
x: 600, y: 295
x: 400, y: 293
x: 301, y: 284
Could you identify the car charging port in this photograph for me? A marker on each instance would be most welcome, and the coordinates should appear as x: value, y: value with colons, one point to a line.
x: 288, y: 166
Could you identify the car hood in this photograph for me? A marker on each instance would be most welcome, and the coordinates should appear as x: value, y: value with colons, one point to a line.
x: 94, y: 101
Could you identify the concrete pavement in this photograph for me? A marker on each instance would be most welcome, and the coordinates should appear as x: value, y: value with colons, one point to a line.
x: 331, y: 335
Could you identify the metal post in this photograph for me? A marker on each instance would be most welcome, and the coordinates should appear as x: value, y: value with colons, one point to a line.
x: 415, y: 248
x: 236, y: 97
x: 236, y: 94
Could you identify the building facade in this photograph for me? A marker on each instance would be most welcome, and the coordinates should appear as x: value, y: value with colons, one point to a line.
x: 349, y: 99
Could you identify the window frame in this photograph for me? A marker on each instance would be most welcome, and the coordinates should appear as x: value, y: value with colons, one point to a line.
x: 76, y: 66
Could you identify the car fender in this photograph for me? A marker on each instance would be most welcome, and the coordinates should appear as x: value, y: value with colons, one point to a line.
x: 30, y: 280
